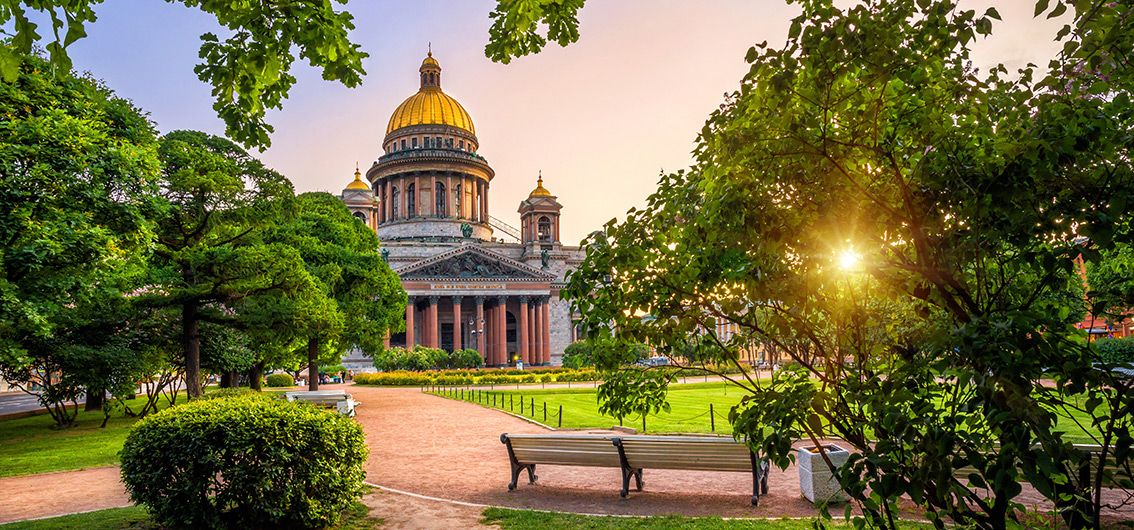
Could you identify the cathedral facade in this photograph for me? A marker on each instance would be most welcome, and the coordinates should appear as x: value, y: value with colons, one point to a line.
x: 473, y: 281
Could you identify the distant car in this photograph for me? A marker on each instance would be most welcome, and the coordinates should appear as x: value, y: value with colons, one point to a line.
x: 653, y: 361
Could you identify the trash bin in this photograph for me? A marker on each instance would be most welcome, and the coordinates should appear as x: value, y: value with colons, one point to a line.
x: 816, y: 481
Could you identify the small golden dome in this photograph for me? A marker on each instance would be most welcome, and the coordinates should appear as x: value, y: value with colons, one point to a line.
x: 358, y: 183
x: 430, y: 106
x: 539, y: 190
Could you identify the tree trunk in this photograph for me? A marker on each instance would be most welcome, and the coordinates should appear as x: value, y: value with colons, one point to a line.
x: 191, y: 343
x: 256, y: 376
x: 227, y: 380
x: 95, y: 398
x: 312, y: 364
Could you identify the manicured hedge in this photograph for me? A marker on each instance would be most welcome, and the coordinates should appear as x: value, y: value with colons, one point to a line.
x: 475, y: 377
x: 244, y: 462
x: 280, y: 380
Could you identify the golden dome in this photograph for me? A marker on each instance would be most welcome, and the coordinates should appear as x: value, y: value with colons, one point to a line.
x: 358, y: 183
x: 430, y: 106
x: 539, y: 190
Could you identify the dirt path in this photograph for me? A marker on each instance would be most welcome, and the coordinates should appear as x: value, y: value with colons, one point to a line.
x: 450, y: 449
x: 48, y: 494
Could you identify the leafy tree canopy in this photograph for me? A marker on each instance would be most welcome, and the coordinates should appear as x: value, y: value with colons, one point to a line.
x: 910, y: 223
x: 211, y: 261
x: 249, y: 70
x: 78, y: 173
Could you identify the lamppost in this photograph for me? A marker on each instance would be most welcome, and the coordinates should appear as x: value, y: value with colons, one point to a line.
x: 475, y: 331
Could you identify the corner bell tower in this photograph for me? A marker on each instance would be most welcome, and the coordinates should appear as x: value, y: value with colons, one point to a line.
x: 539, y: 220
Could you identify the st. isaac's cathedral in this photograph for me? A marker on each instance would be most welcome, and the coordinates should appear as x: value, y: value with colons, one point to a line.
x: 473, y: 281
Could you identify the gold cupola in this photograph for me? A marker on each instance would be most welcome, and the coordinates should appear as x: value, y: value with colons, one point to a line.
x: 430, y: 106
x: 358, y: 183
x: 539, y: 190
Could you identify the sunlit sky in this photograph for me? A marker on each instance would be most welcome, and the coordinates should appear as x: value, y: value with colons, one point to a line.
x: 600, y: 118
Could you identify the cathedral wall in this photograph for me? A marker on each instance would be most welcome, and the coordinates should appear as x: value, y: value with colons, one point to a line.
x: 431, y: 228
x: 561, y: 328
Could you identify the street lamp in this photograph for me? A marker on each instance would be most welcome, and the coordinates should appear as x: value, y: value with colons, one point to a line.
x: 474, y: 330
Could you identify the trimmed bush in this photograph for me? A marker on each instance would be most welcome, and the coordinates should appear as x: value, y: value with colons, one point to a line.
x: 244, y: 462
x: 280, y: 380
x: 223, y: 393
x: 1116, y: 351
x: 475, y: 377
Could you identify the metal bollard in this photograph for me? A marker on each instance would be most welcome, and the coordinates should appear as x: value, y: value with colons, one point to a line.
x: 545, y: 412
x: 560, y: 415
x: 712, y: 420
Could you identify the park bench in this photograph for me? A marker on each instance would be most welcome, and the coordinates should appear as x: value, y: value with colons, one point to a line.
x: 632, y: 454
x: 332, y: 399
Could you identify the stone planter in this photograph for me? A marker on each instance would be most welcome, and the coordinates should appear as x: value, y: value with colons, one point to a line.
x: 816, y: 481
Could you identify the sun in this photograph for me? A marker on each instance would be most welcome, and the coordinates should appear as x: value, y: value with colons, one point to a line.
x: 850, y: 260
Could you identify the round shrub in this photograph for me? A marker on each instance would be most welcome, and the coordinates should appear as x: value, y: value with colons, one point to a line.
x: 280, y: 380
x: 244, y: 462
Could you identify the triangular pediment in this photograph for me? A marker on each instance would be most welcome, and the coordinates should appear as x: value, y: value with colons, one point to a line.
x: 472, y: 263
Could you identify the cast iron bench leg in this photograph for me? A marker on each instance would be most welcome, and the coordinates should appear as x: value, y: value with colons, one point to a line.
x: 532, y: 477
x: 638, y: 479
x: 759, y: 478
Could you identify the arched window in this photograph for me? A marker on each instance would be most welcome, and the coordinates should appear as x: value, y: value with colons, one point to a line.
x: 544, y: 227
x: 411, y: 201
x: 394, y: 196
x: 360, y: 216
x: 439, y: 193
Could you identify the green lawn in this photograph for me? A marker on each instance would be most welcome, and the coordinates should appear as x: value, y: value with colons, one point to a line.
x: 523, y: 519
x: 32, y: 444
x: 135, y: 518
x: 689, y: 409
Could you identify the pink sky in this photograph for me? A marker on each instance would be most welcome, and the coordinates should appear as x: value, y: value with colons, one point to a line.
x: 600, y: 118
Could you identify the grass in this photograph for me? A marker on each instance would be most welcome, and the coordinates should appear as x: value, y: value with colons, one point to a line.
x: 689, y: 409
x: 33, y: 445
x: 522, y: 519
x: 357, y: 517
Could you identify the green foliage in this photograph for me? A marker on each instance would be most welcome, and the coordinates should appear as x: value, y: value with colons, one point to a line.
x: 634, y: 391
x: 280, y: 380
x: 1116, y: 351
x: 78, y: 167
x: 466, y: 358
x: 420, y: 358
x: 473, y: 377
x: 244, y: 462
x: 357, y: 297
x: 239, y: 391
x: 211, y: 261
x: 510, y: 519
x: 1111, y: 282
x: 515, y: 30
x: 249, y: 71
x: 577, y: 355
x: 604, y: 350
x: 966, y: 194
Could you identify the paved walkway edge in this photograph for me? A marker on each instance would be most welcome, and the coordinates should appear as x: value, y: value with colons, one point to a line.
x: 486, y: 506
